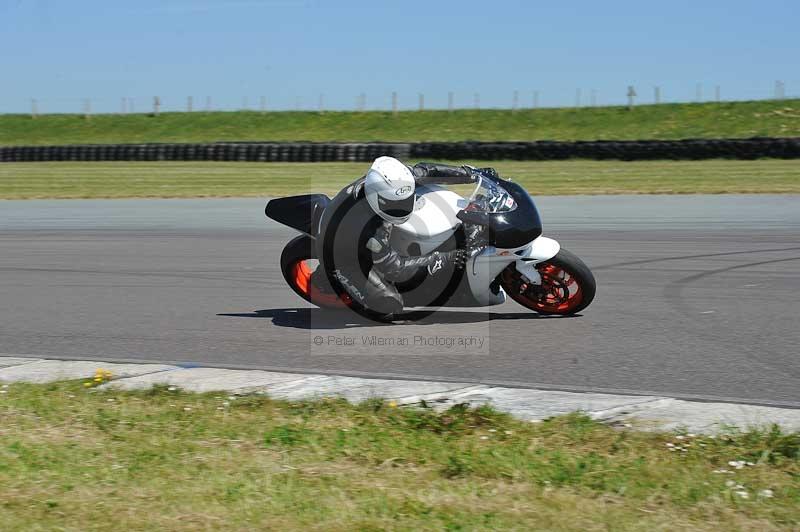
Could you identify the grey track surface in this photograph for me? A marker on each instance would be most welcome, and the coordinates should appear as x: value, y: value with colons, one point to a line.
x: 697, y: 298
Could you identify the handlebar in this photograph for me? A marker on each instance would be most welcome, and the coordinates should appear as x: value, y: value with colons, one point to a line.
x: 445, y: 174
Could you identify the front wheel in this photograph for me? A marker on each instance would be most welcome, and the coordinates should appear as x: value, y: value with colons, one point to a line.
x: 568, y: 285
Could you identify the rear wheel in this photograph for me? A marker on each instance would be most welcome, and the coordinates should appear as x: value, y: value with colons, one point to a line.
x: 298, y: 264
x: 567, y: 287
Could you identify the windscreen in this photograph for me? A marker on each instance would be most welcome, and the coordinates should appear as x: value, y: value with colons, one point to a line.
x: 490, y: 197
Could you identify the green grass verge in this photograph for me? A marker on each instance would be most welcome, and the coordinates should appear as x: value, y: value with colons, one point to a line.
x: 73, y: 458
x: 184, y: 180
x: 668, y: 121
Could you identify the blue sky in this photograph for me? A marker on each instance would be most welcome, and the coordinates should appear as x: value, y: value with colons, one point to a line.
x: 292, y: 51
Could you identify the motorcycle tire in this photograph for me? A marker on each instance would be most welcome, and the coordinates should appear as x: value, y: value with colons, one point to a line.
x: 568, y: 286
x: 297, y: 273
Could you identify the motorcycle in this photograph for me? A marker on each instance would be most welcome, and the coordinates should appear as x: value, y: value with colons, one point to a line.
x: 514, y: 260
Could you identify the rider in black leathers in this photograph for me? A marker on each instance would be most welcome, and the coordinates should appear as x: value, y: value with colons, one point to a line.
x: 377, y: 290
x: 389, y: 267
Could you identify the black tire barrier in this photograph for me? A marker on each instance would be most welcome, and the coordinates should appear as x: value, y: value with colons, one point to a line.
x: 632, y: 150
x: 689, y: 149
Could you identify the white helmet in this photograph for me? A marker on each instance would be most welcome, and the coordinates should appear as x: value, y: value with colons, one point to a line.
x: 389, y: 188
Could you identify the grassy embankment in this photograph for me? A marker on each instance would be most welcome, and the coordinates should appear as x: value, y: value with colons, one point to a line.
x: 180, y: 180
x: 109, y: 180
x: 667, y: 121
x: 73, y: 458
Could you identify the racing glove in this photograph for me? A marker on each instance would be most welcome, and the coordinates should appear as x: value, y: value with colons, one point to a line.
x: 458, y: 258
x: 446, y: 174
x: 461, y: 256
x: 489, y: 170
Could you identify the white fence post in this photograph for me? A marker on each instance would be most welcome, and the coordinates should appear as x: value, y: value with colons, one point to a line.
x: 780, y: 90
x: 421, y: 102
x: 631, y: 96
x: 450, y: 101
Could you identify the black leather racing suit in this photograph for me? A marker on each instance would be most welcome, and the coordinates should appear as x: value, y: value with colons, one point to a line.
x: 389, y: 267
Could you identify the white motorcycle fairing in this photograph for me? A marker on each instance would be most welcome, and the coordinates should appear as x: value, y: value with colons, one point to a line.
x: 484, y: 267
x: 434, y: 221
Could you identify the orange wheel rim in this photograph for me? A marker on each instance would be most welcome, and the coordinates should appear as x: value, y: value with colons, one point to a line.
x: 559, y: 292
x: 301, y: 276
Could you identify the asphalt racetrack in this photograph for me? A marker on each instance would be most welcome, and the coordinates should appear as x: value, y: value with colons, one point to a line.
x: 697, y: 298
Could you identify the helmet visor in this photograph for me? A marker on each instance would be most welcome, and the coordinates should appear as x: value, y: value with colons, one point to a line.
x: 397, y: 208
